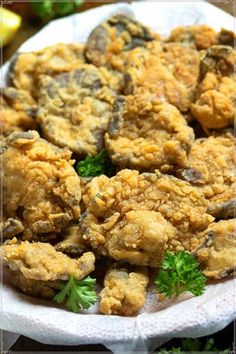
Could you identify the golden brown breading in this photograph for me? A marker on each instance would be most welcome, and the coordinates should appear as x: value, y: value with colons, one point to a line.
x: 217, y: 255
x: 146, y: 134
x: 216, y: 106
x: 201, y: 36
x: 17, y: 111
x: 73, y: 243
x: 75, y: 109
x: 135, y: 217
x: 223, y: 205
x: 117, y: 34
x: 40, y: 185
x: 39, y: 264
x: 26, y: 68
x: 124, y: 291
x: 211, y: 165
x: 10, y: 227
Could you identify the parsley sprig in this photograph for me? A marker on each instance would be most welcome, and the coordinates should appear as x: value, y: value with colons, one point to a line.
x: 179, y: 272
x: 77, y: 295
x: 93, y: 166
x: 193, y: 345
x: 47, y: 9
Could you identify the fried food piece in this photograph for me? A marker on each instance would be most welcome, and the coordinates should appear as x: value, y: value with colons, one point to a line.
x: 145, y: 134
x: 124, y: 291
x: 26, y: 68
x: 218, y: 59
x: 184, y: 62
x: 73, y: 243
x: 40, y: 186
x: 117, y: 34
x: 217, y: 255
x: 223, y: 205
x: 17, y: 111
x: 216, y: 106
x: 11, y: 227
x: 211, y: 165
x: 151, y: 74
x: 201, y: 36
x: 136, y: 217
x: 226, y: 37
x: 76, y: 107
x: 39, y: 264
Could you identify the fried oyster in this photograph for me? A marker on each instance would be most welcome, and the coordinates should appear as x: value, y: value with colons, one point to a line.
x: 40, y: 186
x: 145, y: 134
x: 136, y: 217
x: 124, y: 291
x: 76, y: 108
x: 26, y: 68
x: 217, y: 255
x: 37, y: 268
x: 114, y: 36
x: 17, y: 111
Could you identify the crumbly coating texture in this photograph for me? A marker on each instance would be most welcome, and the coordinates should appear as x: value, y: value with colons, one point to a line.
x: 17, y: 111
x: 10, y: 227
x: 216, y: 105
x: 145, y: 134
x: 26, y: 68
x: 223, y: 205
x: 124, y: 291
x: 76, y: 107
x: 73, y: 243
x: 201, y: 36
x: 135, y: 217
x: 116, y: 35
x: 37, y: 267
x: 211, y: 165
x: 217, y: 255
x: 40, y: 185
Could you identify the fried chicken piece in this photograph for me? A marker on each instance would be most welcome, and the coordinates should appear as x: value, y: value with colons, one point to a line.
x: 117, y: 34
x: 216, y: 106
x: 75, y: 109
x: 211, y: 165
x: 217, y: 255
x: 17, y: 111
x: 145, y: 134
x: 124, y: 291
x: 40, y: 186
x: 136, y: 217
x: 26, y: 68
x: 37, y: 267
x: 200, y: 36
x: 73, y: 243
x: 218, y: 59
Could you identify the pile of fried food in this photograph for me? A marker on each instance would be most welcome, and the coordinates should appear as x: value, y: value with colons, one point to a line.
x: 163, y: 110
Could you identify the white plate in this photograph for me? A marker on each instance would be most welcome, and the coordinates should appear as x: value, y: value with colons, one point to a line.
x: 43, y: 320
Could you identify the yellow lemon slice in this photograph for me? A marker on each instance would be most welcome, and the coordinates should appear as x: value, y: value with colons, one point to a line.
x: 9, y: 24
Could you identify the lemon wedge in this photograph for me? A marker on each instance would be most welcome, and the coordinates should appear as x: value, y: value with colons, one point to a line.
x: 9, y: 24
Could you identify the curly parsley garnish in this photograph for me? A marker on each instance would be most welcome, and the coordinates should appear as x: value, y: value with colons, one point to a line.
x: 193, y: 345
x: 76, y: 294
x: 93, y: 166
x: 47, y: 9
x: 179, y: 272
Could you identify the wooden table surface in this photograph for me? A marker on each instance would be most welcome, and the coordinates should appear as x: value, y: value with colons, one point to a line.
x: 28, y: 29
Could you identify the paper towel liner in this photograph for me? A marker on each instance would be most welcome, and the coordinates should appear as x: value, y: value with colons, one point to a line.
x: 189, y: 317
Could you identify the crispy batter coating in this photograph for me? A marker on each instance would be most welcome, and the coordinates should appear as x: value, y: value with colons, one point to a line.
x: 217, y: 255
x: 75, y: 109
x: 26, y: 68
x: 219, y: 59
x: 40, y: 186
x: 10, y: 227
x: 17, y: 111
x: 73, y: 243
x: 201, y: 36
x: 112, y: 37
x: 211, y: 165
x: 135, y: 217
x: 223, y: 205
x: 124, y: 291
x: 36, y: 266
x: 145, y: 134
x: 216, y: 106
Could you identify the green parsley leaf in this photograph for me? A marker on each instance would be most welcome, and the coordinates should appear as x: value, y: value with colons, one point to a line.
x: 193, y: 345
x: 93, y: 166
x: 76, y: 294
x: 43, y: 8
x: 49, y: 8
x: 179, y: 272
